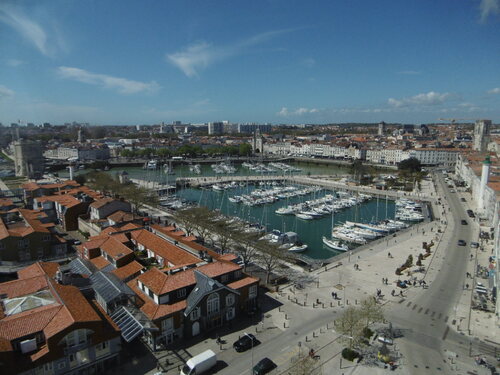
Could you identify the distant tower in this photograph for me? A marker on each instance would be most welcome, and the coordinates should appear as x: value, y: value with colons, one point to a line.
x: 481, y: 135
x: 485, y: 175
x: 381, y: 128
x: 28, y: 159
x: 81, y: 137
x: 257, y: 142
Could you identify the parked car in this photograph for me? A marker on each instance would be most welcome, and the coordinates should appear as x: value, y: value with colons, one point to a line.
x: 464, y: 222
x: 461, y: 243
x: 475, y: 245
x: 463, y: 199
x: 385, y: 340
x: 245, y: 342
x: 264, y: 366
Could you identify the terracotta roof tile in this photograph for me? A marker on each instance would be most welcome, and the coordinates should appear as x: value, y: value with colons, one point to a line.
x: 243, y: 282
x: 100, y: 262
x: 128, y: 270
x: 168, y: 251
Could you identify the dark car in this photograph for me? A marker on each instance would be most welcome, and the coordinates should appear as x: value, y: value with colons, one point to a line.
x: 264, y: 366
x: 461, y: 243
x: 464, y: 222
x: 245, y: 342
x: 463, y: 199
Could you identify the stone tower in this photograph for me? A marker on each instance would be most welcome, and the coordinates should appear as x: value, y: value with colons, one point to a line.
x: 481, y: 135
x: 258, y: 142
x: 28, y: 159
x: 381, y: 128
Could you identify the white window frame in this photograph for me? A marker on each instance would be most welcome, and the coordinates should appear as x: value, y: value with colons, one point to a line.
x: 230, y: 313
x: 195, y: 314
x: 252, y: 291
x: 167, y: 325
x: 213, y: 304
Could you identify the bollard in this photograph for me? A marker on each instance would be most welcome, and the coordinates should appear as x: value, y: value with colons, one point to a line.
x: 346, y: 301
x: 355, y: 301
x: 307, y: 340
x: 288, y: 298
x: 323, y: 304
x: 338, y: 302
x: 286, y: 316
x: 284, y: 324
x: 331, y: 304
x: 314, y: 334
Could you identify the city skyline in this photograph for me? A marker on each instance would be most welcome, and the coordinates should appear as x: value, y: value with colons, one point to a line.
x: 274, y: 61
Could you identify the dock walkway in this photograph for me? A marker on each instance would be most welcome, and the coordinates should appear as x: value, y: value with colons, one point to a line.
x: 326, y: 182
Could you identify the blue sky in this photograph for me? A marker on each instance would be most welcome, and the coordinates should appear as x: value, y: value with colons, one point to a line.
x: 279, y: 61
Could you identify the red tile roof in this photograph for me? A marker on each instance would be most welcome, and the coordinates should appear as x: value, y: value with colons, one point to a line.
x: 168, y: 251
x: 100, y: 262
x: 160, y: 283
x: 243, y: 282
x: 128, y: 270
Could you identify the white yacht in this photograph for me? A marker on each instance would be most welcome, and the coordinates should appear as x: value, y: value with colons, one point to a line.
x: 336, y: 245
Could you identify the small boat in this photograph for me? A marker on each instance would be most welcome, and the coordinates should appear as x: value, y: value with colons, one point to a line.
x: 304, y: 217
x: 336, y: 245
x: 298, y: 248
x: 152, y: 164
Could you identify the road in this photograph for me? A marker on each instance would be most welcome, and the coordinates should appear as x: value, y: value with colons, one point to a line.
x: 426, y: 319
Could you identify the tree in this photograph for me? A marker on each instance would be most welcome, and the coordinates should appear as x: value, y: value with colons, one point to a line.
x: 371, y: 311
x: 139, y: 197
x: 350, y: 326
x: 221, y: 230
x: 271, y: 257
x: 244, y: 246
x: 245, y: 149
x: 81, y: 179
x: 358, y: 170
x: 410, y: 165
x: 302, y: 364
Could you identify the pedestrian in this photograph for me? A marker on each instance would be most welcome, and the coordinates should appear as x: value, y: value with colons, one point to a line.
x: 401, y: 293
x: 414, y: 283
x: 393, y: 292
x: 389, y: 255
x: 466, y: 286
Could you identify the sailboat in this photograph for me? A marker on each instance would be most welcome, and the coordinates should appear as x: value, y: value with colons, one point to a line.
x: 335, y: 244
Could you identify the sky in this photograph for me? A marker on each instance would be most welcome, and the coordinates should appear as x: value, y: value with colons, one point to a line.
x: 277, y: 61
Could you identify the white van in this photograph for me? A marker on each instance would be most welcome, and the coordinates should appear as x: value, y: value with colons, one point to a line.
x: 200, y: 363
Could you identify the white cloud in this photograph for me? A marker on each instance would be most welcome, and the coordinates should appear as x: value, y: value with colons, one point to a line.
x: 284, y: 112
x: 496, y: 90
x: 425, y: 99
x: 47, y: 43
x: 5, y: 92
x: 308, y: 62
x: 122, y: 85
x: 196, y: 57
x: 410, y: 72
x: 14, y: 62
x: 489, y: 7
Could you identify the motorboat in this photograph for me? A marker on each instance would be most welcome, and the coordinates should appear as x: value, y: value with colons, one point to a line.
x: 298, y: 248
x: 152, y: 164
x: 304, y: 216
x: 336, y: 245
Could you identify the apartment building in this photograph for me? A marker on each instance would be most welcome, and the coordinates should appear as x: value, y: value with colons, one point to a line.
x: 47, y: 327
x: 27, y: 235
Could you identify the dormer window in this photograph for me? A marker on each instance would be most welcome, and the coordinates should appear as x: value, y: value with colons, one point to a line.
x: 181, y: 293
x: 237, y: 274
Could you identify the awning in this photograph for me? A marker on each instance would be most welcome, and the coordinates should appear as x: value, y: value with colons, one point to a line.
x: 132, y: 324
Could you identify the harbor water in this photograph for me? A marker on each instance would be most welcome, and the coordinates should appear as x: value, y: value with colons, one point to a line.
x: 310, y: 232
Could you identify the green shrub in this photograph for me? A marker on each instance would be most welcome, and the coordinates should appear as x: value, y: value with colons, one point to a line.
x: 349, y: 354
x: 367, y: 332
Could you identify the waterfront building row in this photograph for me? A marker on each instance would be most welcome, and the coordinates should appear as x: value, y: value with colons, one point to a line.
x: 388, y: 156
